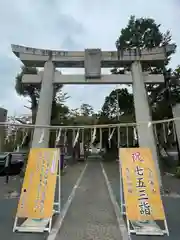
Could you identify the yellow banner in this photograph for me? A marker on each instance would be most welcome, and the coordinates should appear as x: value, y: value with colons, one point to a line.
x: 37, y: 195
x: 140, y: 184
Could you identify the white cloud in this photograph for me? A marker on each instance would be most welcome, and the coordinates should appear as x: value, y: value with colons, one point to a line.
x: 71, y: 25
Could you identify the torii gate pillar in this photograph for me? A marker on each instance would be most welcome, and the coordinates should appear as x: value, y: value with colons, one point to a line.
x: 142, y: 111
x: 41, y: 136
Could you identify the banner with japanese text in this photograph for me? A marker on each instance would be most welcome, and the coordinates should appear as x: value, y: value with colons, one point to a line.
x: 37, y: 195
x: 140, y: 184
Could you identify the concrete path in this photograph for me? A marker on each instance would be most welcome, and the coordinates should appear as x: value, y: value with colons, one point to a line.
x: 91, y: 214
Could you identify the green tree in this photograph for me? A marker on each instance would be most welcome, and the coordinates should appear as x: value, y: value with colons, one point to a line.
x: 174, y: 85
x: 143, y: 33
x: 117, y: 108
x: 28, y: 90
x: 86, y: 109
x: 118, y: 103
x: 162, y: 99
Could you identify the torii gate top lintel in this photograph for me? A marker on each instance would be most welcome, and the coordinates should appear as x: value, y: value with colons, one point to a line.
x: 77, y: 59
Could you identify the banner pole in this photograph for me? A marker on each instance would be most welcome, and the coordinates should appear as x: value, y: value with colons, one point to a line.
x: 166, y: 226
x: 59, y: 184
x: 121, y: 190
x: 109, y: 140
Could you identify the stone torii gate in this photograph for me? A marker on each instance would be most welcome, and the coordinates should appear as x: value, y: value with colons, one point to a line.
x: 92, y: 60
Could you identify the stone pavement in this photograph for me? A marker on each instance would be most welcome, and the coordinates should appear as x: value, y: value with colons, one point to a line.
x: 91, y: 215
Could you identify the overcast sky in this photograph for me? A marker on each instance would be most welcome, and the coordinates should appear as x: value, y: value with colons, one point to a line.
x: 72, y: 25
